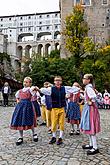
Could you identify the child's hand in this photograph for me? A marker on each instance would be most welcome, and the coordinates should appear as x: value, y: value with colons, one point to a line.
x: 89, y: 102
x: 17, y: 100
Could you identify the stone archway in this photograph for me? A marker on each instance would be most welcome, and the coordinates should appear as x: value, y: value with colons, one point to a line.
x: 19, y: 52
x: 28, y: 51
x: 40, y: 49
x: 57, y: 46
x: 44, y: 36
x: 24, y: 37
x: 57, y: 35
x: 47, y: 49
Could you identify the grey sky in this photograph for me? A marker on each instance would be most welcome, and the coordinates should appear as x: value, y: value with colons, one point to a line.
x: 10, y: 7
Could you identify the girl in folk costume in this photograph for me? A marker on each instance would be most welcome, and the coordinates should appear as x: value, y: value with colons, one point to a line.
x: 34, y: 99
x: 24, y: 116
x: 106, y: 100
x: 73, y: 112
x: 90, y: 120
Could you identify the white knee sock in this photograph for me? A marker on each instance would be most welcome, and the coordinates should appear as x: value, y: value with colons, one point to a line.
x: 21, y: 133
x: 72, y: 125
x: 90, y: 140
x: 54, y: 134
x: 61, y: 134
x: 32, y: 131
x: 94, y: 141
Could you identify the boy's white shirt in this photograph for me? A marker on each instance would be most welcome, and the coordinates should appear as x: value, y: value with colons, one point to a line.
x: 68, y: 89
x: 43, y: 100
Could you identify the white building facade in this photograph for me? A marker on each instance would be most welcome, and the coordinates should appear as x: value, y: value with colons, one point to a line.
x: 39, y: 33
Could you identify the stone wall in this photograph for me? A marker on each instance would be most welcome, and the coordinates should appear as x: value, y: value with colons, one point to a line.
x: 97, y: 16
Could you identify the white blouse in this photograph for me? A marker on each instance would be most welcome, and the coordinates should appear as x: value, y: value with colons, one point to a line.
x: 90, y: 92
x: 24, y: 90
x: 68, y: 89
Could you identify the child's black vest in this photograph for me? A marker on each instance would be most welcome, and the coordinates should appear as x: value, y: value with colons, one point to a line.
x: 58, y: 97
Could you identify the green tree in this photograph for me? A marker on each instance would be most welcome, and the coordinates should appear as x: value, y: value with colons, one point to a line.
x: 75, y: 31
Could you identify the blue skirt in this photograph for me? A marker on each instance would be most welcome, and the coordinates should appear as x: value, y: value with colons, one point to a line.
x: 73, y: 112
x: 23, y: 117
x: 37, y: 108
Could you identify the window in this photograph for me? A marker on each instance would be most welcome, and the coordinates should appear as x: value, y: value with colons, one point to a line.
x: 48, y: 16
x: 40, y: 23
x: 21, y: 24
x: 56, y: 27
x: 47, y: 27
x: 1, y: 25
x: 10, y: 35
x: 29, y: 17
x: 86, y: 2
x: 10, y: 30
x: 40, y: 16
x: 56, y: 15
x: 1, y: 19
x: 77, y: 2
x: 10, y: 19
x: 40, y: 28
x: 21, y: 30
x: 21, y: 18
x: 104, y: 2
x: 29, y: 28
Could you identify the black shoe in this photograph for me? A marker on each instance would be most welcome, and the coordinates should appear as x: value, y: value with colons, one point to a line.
x: 49, y: 131
x: 52, y: 141
x: 71, y: 133
x: 19, y: 141
x: 43, y: 124
x: 77, y: 132
x: 60, y: 141
x: 87, y: 147
x: 35, y: 138
x: 93, y: 151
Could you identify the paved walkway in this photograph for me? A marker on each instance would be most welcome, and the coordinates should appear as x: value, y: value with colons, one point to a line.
x: 41, y: 153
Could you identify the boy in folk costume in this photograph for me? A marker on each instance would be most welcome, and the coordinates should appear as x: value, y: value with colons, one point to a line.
x: 43, y: 106
x: 90, y: 120
x: 48, y: 102
x: 24, y: 116
x: 58, y: 93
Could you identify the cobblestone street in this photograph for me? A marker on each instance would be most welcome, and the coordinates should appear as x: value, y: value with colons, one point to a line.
x: 41, y: 153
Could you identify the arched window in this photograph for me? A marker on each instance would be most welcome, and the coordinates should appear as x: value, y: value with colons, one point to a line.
x: 104, y: 2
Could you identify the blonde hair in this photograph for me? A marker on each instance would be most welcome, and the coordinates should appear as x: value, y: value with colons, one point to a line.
x: 89, y: 76
x: 28, y: 78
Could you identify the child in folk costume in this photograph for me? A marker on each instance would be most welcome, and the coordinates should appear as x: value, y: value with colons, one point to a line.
x: 43, y: 106
x: 34, y: 99
x: 48, y: 102
x: 24, y: 116
x: 58, y: 93
x: 73, y: 112
x: 90, y: 120
x: 106, y: 99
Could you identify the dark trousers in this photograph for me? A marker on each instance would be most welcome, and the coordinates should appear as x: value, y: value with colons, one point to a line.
x: 5, y: 99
